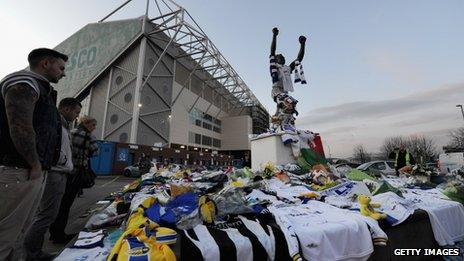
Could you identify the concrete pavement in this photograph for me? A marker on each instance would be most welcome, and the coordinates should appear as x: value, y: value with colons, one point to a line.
x: 83, y: 206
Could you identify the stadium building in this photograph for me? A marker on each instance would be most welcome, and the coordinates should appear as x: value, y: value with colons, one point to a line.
x: 161, y: 83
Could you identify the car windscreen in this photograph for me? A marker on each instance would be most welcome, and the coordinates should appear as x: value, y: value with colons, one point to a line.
x: 391, y: 164
x: 363, y: 166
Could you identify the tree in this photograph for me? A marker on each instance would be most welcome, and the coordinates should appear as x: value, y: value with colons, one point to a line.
x: 391, y: 143
x: 456, y: 138
x: 377, y: 156
x: 422, y: 148
x: 360, y: 154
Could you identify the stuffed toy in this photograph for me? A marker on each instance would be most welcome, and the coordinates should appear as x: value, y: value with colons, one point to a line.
x: 327, y: 183
x: 310, y: 195
x: 367, y: 208
x: 320, y: 167
x: 270, y: 169
x: 282, y: 176
x: 405, y: 170
x: 276, y: 121
x: 208, y: 209
x: 237, y: 183
x: 321, y: 175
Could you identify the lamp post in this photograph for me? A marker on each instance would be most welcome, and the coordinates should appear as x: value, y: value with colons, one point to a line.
x: 462, y: 111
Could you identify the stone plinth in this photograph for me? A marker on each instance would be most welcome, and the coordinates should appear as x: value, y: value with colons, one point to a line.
x: 270, y: 148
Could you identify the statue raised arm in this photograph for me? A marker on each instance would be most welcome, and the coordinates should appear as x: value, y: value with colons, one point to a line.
x: 302, y: 41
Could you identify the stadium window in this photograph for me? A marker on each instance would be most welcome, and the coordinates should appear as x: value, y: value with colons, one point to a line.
x: 191, y: 137
x: 216, y: 129
x: 207, y: 117
x: 206, y: 140
x: 216, y: 143
x: 197, y: 139
x: 207, y: 126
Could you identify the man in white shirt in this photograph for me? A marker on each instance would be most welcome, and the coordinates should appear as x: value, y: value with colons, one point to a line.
x: 69, y: 109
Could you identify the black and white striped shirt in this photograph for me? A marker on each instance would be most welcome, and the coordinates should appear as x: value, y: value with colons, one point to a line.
x: 273, y: 69
x: 241, y: 239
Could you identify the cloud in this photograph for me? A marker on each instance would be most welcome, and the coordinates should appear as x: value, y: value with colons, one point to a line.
x: 343, y: 129
x: 386, y: 108
x: 395, y: 65
x: 431, y: 113
x: 364, y: 109
x: 439, y: 132
x: 433, y: 117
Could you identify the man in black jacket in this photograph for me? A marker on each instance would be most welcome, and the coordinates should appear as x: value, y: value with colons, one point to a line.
x: 30, y: 138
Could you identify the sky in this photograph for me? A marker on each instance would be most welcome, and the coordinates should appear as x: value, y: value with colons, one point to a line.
x: 376, y: 69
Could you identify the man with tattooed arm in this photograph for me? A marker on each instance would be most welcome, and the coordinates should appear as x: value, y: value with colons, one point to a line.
x: 30, y: 143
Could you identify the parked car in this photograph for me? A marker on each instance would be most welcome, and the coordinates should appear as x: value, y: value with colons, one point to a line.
x: 237, y: 163
x: 433, y: 166
x: 342, y: 163
x: 134, y: 172
x: 379, y: 167
x: 343, y: 168
x: 451, y: 161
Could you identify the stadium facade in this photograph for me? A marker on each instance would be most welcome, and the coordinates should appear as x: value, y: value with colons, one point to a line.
x: 160, y: 82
